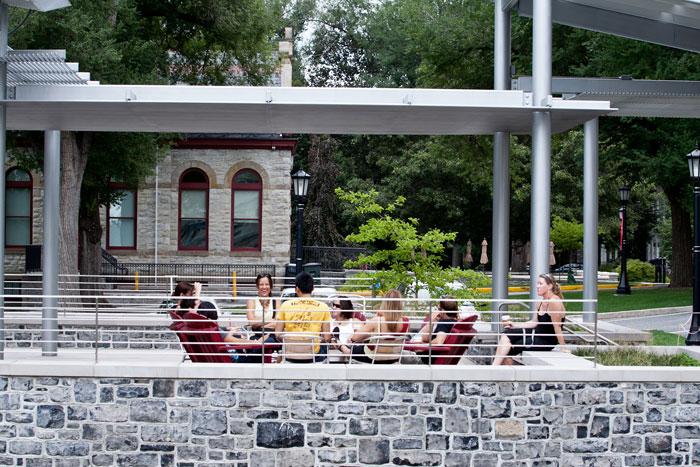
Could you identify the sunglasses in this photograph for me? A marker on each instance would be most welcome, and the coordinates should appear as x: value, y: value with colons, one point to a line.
x: 336, y: 305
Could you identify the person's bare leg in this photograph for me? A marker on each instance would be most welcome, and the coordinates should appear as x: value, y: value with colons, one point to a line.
x: 502, y: 350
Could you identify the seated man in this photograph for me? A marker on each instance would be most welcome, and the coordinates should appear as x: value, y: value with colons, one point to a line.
x: 304, y: 315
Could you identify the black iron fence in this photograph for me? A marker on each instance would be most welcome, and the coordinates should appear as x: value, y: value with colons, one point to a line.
x: 183, y: 271
x: 331, y: 258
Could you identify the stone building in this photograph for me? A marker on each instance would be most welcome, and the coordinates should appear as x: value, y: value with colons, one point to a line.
x: 215, y: 199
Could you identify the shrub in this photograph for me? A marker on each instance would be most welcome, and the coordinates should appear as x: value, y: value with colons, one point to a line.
x: 638, y: 271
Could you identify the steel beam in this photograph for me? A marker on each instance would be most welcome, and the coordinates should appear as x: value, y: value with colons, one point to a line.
x: 4, y: 29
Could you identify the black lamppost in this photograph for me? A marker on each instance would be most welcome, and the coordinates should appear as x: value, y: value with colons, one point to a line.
x: 623, y: 287
x: 693, y: 337
x: 300, y: 181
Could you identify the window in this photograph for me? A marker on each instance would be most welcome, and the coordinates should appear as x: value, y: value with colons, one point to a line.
x: 121, y: 221
x: 193, y: 226
x: 18, y: 208
x: 246, y: 191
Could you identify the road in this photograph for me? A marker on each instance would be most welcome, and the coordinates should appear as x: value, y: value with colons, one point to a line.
x: 672, y: 322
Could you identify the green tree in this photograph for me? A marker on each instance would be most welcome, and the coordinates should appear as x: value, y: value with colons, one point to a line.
x: 401, y: 256
x: 144, y: 42
x: 566, y: 235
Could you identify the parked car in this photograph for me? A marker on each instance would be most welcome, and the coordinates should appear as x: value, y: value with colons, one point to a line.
x: 569, y: 266
x: 320, y: 292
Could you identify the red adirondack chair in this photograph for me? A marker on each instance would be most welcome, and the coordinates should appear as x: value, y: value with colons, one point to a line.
x: 207, y: 345
x: 178, y: 326
x: 456, y: 343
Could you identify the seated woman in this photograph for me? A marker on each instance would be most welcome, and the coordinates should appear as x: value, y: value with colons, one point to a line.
x: 542, y: 333
x: 343, y: 326
x: 389, y: 321
x: 262, y: 309
x: 183, y: 305
x: 443, y: 319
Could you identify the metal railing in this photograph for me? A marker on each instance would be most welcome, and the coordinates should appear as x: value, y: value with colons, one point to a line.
x: 115, y: 324
x: 147, y: 270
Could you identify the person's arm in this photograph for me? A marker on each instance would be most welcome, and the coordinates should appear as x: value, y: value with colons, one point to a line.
x: 365, y: 331
x: 250, y: 314
x: 326, y: 331
x: 424, y: 333
x: 279, y: 328
x: 557, y: 312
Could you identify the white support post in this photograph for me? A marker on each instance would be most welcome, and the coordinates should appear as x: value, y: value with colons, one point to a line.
x: 49, y: 253
x: 541, y: 141
x: 590, y: 219
x: 501, y: 173
x: 4, y: 26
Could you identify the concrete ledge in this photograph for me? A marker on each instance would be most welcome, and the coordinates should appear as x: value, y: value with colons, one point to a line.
x: 555, y: 358
x: 164, y: 364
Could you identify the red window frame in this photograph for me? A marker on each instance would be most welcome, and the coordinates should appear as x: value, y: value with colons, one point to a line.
x: 122, y: 187
x: 188, y: 186
x: 30, y: 186
x: 246, y: 187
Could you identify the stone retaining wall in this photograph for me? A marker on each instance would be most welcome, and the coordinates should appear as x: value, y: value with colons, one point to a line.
x: 83, y: 336
x: 89, y: 421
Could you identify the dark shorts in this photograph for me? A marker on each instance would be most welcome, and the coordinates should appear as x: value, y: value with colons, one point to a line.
x: 525, y: 339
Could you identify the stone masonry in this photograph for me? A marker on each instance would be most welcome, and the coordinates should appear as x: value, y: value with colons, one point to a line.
x: 220, y: 165
x: 52, y: 421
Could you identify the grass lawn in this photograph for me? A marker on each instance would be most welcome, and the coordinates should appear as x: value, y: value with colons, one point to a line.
x: 666, y: 338
x: 637, y: 357
x: 640, y: 299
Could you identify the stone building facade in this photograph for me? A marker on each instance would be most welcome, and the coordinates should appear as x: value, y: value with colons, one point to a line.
x: 159, y: 209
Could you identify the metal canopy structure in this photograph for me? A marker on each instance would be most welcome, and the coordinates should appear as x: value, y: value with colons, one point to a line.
x: 206, y: 109
x: 673, y: 23
x: 39, y: 5
x: 42, y: 67
x: 629, y: 97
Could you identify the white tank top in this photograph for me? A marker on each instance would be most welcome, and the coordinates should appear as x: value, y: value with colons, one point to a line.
x: 258, y: 311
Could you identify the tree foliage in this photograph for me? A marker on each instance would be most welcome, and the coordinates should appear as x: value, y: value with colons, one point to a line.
x: 400, y: 255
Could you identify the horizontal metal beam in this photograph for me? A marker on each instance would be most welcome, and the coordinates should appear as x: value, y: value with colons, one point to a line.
x: 660, y: 22
x: 239, y: 109
x: 630, y: 97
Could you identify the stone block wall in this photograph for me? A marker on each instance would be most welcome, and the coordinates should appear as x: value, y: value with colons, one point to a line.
x: 83, y: 337
x: 136, y: 422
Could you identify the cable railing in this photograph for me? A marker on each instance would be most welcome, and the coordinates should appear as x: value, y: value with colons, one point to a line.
x: 418, y: 332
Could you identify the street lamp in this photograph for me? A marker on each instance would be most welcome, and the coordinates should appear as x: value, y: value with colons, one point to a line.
x: 300, y: 182
x: 693, y: 337
x: 623, y: 287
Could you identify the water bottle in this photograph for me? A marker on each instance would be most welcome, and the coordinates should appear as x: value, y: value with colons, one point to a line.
x: 275, y: 357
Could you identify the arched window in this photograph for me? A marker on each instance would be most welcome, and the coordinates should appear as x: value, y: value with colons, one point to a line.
x: 121, y: 220
x: 246, y: 193
x: 18, y: 207
x: 193, y: 225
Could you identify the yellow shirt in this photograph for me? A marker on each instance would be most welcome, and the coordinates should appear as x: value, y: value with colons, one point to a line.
x: 304, y: 315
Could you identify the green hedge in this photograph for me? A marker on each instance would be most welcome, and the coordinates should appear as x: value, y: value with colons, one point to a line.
x: 638, y: 271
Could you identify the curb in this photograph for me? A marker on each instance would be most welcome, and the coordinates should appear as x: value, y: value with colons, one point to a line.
x: 641, y: 313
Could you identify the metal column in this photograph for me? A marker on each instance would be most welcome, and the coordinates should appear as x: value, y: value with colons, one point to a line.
x: 4, y: 25
x: 540, y: 215
x: 49, y: 254
x: 590, y: 219
x: 501, y: 172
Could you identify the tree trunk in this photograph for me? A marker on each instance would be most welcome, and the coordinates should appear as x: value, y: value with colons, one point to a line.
x: 90, y: 247
x: 681, y: 245
x: 74, y: 149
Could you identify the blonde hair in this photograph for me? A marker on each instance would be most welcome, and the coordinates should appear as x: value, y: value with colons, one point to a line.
x: 392, y: 310
x: 556, y: 290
